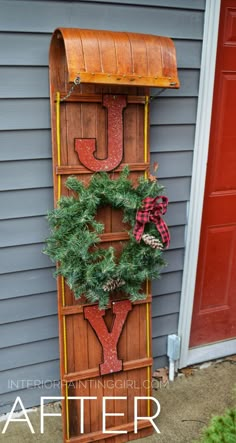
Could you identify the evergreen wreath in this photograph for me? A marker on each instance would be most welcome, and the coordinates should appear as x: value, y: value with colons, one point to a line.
x: 92, y: 271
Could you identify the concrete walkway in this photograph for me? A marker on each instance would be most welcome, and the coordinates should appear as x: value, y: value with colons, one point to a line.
x: 186, y: 405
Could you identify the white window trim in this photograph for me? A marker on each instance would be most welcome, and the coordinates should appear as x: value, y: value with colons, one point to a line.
x: 203, y: 122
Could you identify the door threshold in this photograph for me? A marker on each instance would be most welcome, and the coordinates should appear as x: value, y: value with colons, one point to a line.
x: 211, y: 352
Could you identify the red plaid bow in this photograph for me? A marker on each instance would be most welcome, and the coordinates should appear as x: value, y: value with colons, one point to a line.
x: 151, y: 212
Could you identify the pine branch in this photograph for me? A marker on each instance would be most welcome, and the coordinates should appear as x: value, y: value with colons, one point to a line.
x: 74, y: 241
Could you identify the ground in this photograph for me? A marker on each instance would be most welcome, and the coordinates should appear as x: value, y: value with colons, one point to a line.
x: 186, y: 406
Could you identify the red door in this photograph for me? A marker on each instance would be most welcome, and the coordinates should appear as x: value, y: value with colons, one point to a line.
x: 214, y: 313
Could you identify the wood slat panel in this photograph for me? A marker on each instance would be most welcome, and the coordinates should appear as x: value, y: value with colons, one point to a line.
x: 72, y: 170
x: 78, y: 308
x: 88, y: 374
x: 89, y: 120
x: 98, y: 436
x: 76, y: 97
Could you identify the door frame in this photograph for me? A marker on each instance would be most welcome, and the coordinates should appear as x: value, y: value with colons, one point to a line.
x: 201, y: 145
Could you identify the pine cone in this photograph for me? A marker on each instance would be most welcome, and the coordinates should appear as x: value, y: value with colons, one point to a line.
x: 152, y: 241
x: 113, y: 284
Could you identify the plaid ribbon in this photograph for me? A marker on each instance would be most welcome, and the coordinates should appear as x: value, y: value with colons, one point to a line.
x: 151, y: 211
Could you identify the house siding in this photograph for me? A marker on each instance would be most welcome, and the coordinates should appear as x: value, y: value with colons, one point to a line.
x: 28, y: 302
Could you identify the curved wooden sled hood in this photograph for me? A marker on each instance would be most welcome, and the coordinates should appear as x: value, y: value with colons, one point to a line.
x: 107, y: 57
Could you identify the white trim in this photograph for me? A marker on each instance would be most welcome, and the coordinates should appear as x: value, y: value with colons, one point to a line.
x: 211, y: 352
x: 209, y: 48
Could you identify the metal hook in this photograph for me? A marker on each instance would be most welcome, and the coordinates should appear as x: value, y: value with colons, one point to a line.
x: 154, y: 97
x: 76, y: 83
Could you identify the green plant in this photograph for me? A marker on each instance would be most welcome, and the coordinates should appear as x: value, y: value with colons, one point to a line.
x: 222, y: 429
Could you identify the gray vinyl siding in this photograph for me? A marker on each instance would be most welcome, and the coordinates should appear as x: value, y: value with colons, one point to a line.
x: 28, y: 303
